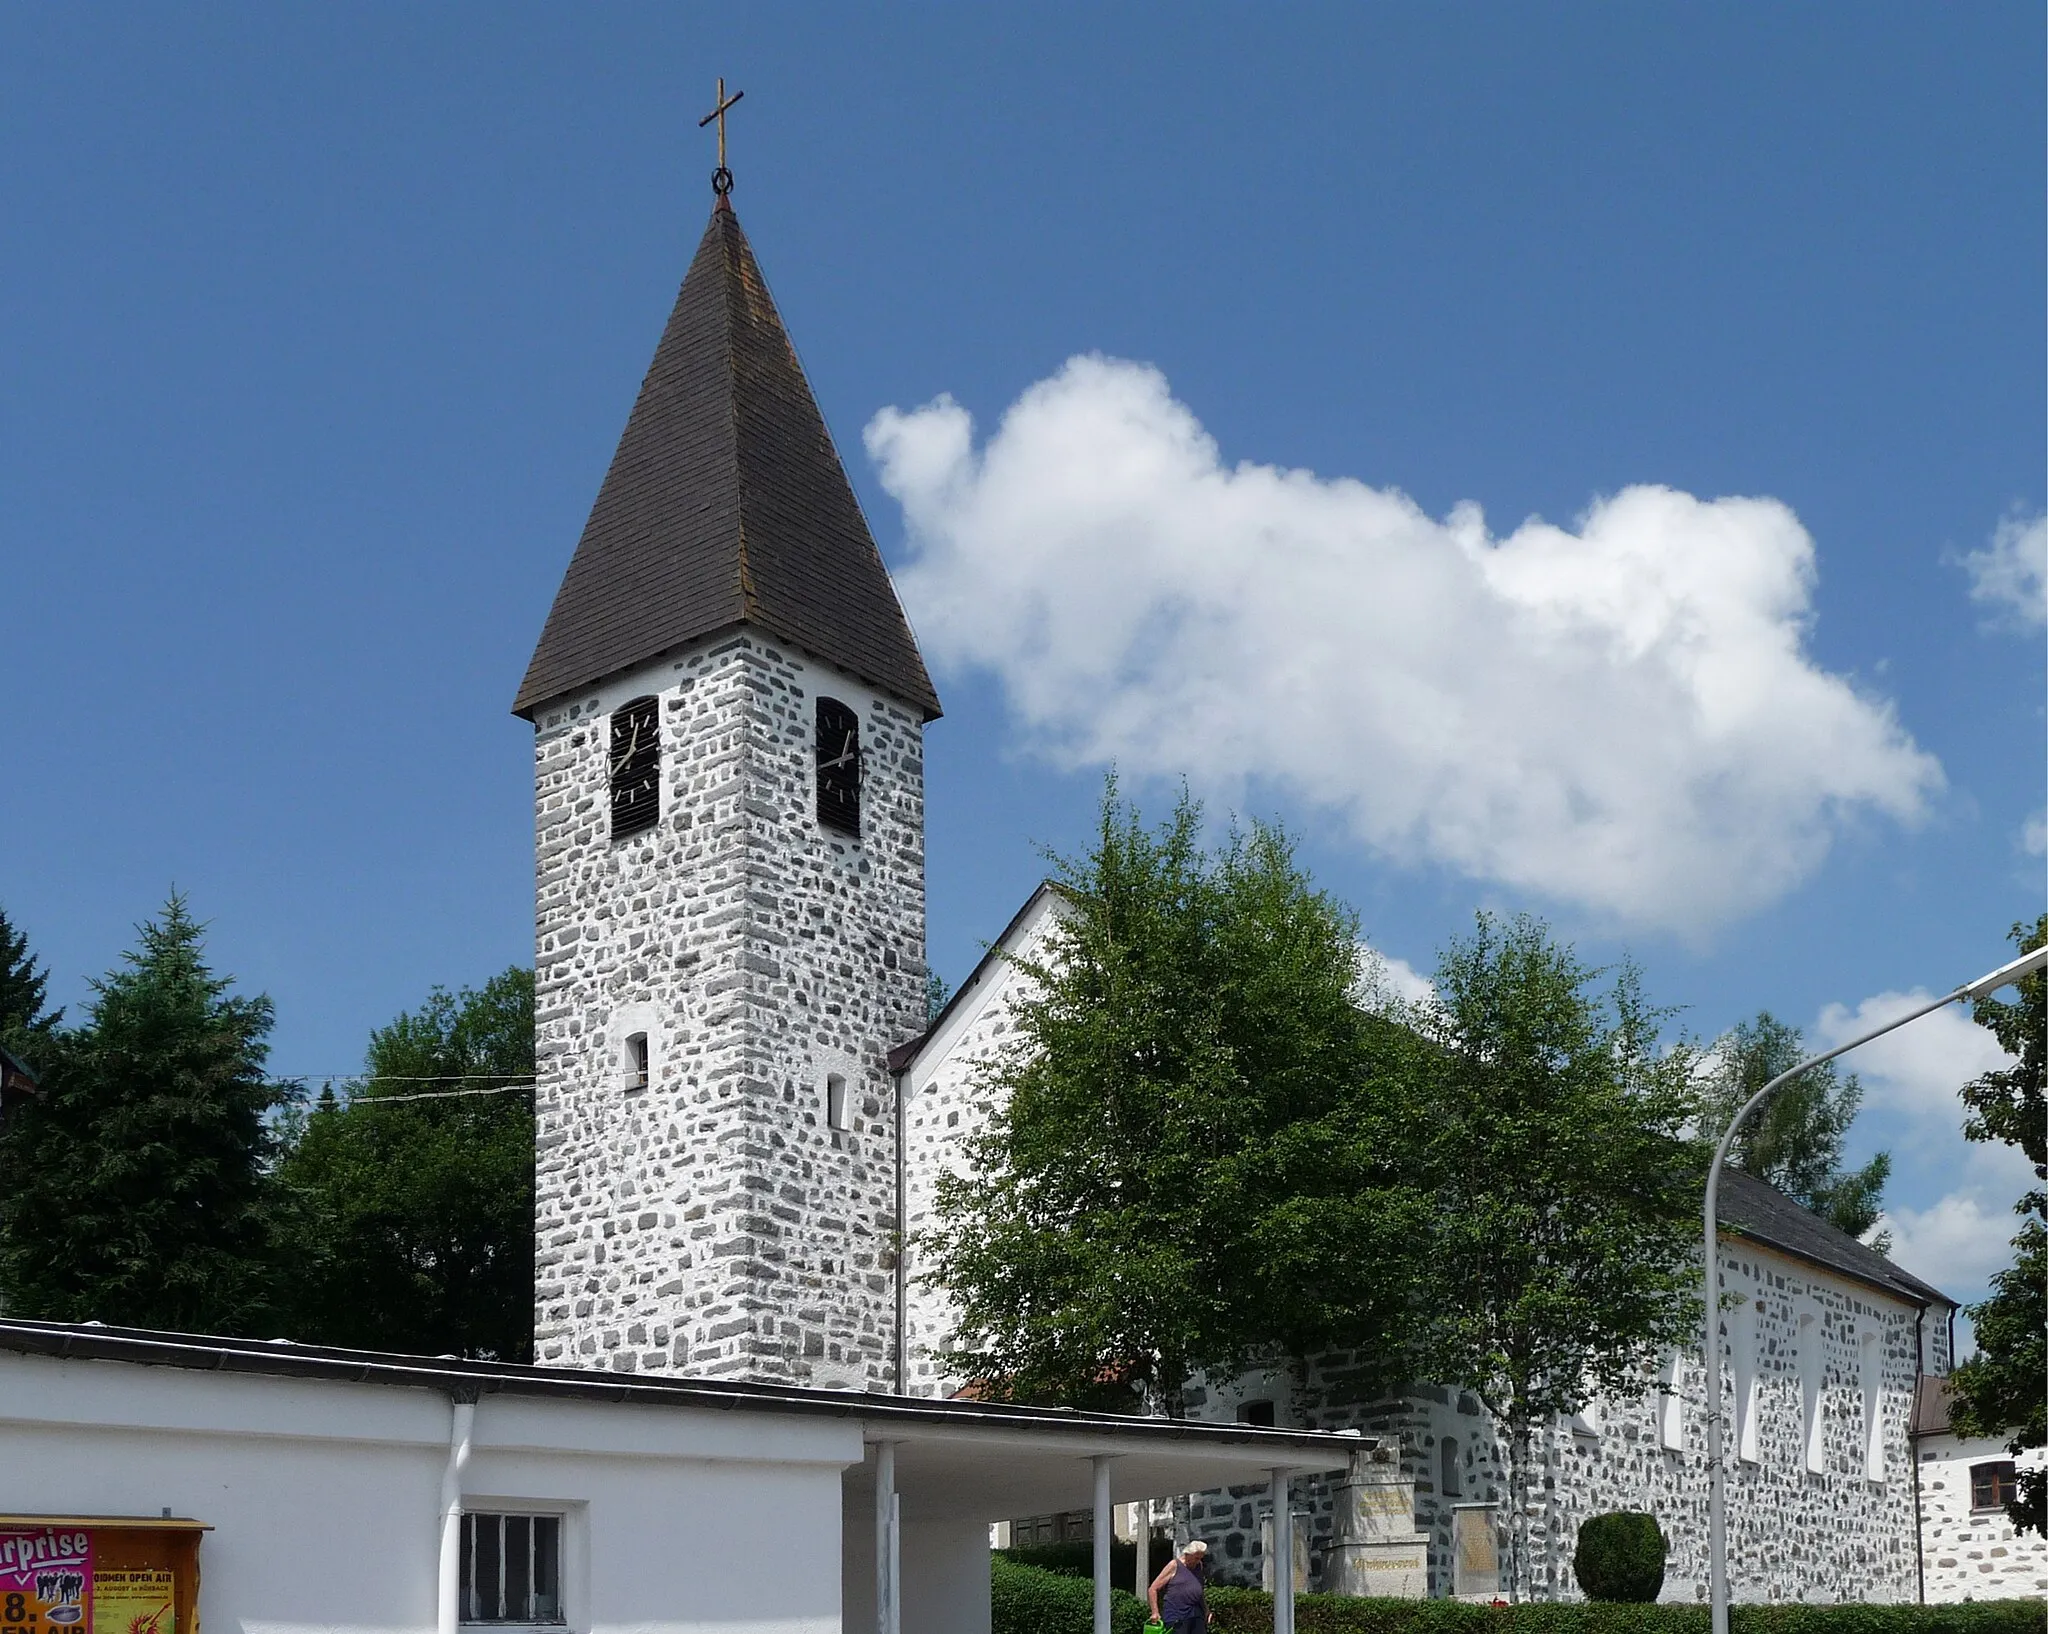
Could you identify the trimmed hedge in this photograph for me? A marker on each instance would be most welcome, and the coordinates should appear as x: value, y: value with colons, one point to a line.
x: 1032, y: 1600
x: 1078, y: 1559
x: 1029, y: 1600
x: 1250, y: 1611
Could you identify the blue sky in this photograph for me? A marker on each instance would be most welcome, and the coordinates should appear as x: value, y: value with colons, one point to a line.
x: 323, y: 323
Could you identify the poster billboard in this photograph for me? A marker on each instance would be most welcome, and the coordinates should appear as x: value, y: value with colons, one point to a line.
x: 86, y: 1576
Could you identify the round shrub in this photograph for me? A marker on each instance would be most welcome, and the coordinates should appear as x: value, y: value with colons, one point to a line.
x: 1620, y: 1557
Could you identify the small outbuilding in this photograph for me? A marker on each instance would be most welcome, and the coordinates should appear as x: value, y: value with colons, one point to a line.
x: 239, y: 1483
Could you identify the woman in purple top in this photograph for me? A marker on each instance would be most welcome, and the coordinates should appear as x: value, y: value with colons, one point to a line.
x: 1181, y: 1606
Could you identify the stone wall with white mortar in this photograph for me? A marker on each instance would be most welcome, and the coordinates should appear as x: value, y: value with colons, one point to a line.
x: 1806, y: 1520
x: 712, y: 1222
x: 1975, y: 1554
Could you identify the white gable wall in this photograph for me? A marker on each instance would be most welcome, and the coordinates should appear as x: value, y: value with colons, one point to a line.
x: 945, y: 1105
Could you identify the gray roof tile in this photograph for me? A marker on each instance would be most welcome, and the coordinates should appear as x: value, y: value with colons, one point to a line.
x: 1752, y: 1209
x: 725, y: 504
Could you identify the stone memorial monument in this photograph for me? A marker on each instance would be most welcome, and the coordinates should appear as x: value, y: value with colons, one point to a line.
x: 1375, y: 1549
x: 1475, y: 1552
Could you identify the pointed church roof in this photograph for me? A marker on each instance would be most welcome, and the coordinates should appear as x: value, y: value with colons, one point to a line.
x: 725, y: 505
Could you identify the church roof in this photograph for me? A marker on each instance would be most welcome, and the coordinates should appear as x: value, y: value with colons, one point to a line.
x: 1750, y: 1208
x: 725, y: 504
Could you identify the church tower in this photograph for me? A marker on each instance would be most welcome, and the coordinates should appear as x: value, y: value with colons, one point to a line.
x: 728, y: 711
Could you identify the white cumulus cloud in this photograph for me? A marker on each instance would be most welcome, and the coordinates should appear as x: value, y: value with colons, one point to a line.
x: 1918, y: 1069
x: 1956, y: 1243
x: 1621, y: 714
x: 1911, y: 1077
x: 2010, y: 574
x: 2034, y: 835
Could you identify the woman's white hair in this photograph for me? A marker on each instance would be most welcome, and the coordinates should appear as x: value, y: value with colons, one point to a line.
x: 1196, y: 1547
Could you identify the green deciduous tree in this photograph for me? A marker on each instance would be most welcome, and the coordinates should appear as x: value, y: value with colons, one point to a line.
x: 1999, y: 1391
x: 1794, y: 1140
x: 133, y: 1187
x: 1564, y: 1256
x: 1188, y: 1146
x: 412, y: 1220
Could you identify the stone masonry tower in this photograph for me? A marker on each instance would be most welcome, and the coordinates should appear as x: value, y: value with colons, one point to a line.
x: 728, y: 712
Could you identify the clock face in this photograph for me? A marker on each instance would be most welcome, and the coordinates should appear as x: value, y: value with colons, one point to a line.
x: 839, y: 768
x: 635, y: 767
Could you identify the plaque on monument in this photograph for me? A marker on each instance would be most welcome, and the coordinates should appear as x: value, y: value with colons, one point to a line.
x: 1475, y: 1552
x: 1375, y: 1549
x: 1301, y: 1526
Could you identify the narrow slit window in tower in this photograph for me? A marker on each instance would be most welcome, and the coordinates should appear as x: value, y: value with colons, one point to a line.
x: 835, y: 1101
x: 636, y: 1061
x: 636, y: 766
x: 838, y: 767
x: 1451, y: 1483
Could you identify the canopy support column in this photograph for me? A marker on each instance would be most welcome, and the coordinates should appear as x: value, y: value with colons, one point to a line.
x: 1102, y: 1518
x: 1283, y: 1554
x: 888, y: 1542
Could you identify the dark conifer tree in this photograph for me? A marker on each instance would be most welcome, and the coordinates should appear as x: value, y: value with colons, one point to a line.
x: 133, y: 1186
x: 25, y: 1016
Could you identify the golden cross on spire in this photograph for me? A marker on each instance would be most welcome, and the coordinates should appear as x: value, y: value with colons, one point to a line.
x: 721, y: 178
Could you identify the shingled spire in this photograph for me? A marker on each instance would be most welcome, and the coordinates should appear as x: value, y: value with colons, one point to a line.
x: 725, y: 505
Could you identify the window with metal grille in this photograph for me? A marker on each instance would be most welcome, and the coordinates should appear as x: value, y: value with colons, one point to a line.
x: 512, y: 1568
x: 636, y: 766
x: 1994, y: 1485
x: 838, y: 767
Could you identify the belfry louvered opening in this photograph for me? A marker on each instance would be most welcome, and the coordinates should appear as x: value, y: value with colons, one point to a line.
x: 838, y: 767
x: 636, y: 766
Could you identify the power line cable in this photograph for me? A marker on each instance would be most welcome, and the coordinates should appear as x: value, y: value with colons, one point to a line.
x: 404, y: 1078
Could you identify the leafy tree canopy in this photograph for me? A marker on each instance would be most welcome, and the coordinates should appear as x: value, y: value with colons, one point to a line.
x: 1998, y: 1392
x: 1563, y: 1258
x: 1187, y: 1169
x: 1794, y: 1140
x: 133, y: 1186
x: 411, y: 1221
x: 2010, y: 1104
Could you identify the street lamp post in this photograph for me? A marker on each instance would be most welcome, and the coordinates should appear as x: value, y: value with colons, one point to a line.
x: 1717, y: 1499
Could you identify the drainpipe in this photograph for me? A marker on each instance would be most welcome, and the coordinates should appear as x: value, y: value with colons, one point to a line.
x: 902, y: 1080
x: 1913, y: 1458
x: 448, y: 1602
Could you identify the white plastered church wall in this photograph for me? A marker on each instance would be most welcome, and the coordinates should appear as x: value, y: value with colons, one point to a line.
x: 1973, y: 1553
x: 714, y: 1221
